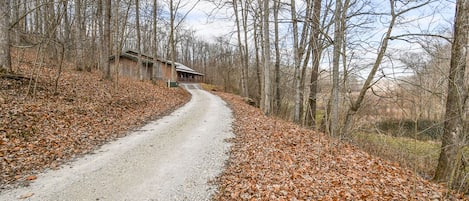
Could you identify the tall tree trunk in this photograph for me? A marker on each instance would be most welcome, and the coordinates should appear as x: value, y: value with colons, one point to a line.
x: 267, y: 86
x: 37, y: 19
x: 5, y: 59
x: 305, y: 54
x: 260, y: 82
x: 95, y: 44
x: 257, y: 43
x: 317, y: 51
x: 79, y: 58
x: 100, y: 30
x: 172, y: 42
x: 25, y: 19
x: 156, y: 68
x: 117, y: 47
x: 244, y: 15
x: 278, y: 102
x: 303, y: 87
x: 16, y: 18
x: 299, y: 45
x: 66, y: 22
x: 107, y: 39
x: 296, y: 54
x: 139, y: 46
x: 244, y: 87
x: 338, y: 36
x: 455, y: 126
x: 51, y: 25
x: 119, y: 41
x: 345, y: 73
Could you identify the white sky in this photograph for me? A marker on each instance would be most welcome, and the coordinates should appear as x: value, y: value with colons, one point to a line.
x: 209, y: 22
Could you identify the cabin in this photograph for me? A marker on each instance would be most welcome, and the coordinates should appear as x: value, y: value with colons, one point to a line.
x: 152, y: 69
x: 186, y: 74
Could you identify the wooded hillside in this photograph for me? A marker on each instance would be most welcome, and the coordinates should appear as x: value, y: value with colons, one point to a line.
x: 41, y: 128
x: 272, y: 159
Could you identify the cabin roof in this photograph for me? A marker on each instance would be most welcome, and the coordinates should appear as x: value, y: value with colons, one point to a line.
x: 133, y: 55
x: 182, y: 68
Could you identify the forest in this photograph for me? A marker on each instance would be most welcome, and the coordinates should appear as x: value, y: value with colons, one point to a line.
x: 387, y: 76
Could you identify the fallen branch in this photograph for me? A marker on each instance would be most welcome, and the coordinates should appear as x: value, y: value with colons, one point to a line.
x: 14, y: 76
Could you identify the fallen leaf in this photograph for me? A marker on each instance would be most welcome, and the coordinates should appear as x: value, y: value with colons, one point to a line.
x: 27, y: 195
x: 31, y: 177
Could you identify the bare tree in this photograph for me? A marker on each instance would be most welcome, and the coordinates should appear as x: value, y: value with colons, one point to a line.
x: 301, y: 57
x: 156, y: 68
x: 395, y: 13
x: 296, y: 53
x: 107, y: 39
x: 338, y: 37
x: 317, y: 52
x: 450, y: 165
x: 79, y: 35
x: 244, y: 68
x: 266, y: 44
x: 139, y: 40
x: 257, y: 23
x: 172, y: 42
x: 278, y: 102
x: 66, y: 26
x: 244, y: 16
x: 5, y: 59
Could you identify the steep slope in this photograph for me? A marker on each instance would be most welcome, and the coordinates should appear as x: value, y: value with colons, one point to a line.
x: 276, y: 160
x: 43, y: 130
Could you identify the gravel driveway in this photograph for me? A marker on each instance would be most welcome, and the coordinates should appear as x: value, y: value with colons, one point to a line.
x: 173, y: 158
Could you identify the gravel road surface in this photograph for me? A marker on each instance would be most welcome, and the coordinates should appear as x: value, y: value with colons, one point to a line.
x: 173, y: 158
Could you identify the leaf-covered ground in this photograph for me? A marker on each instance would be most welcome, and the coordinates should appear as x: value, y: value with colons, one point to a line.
x: 42, y: 131
x: 275, y: 160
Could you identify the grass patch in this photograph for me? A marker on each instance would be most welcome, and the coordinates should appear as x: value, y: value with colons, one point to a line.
x: 210, y: 87
x: 422, y: 129
x: 420, y: 156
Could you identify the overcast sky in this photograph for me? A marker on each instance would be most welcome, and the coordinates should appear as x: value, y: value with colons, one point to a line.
x: 210, y: 22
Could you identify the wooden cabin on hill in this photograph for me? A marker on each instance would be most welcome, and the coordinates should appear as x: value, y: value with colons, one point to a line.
x: 151, y: 70
x: 186, y: 74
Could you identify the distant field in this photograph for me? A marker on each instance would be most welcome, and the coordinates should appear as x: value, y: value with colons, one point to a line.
x: 421, y: 156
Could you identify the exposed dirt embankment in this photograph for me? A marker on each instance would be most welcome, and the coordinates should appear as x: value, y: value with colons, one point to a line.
x: 41, y: 128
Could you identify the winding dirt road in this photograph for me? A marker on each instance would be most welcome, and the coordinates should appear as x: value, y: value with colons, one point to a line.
x: 173, y: 158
